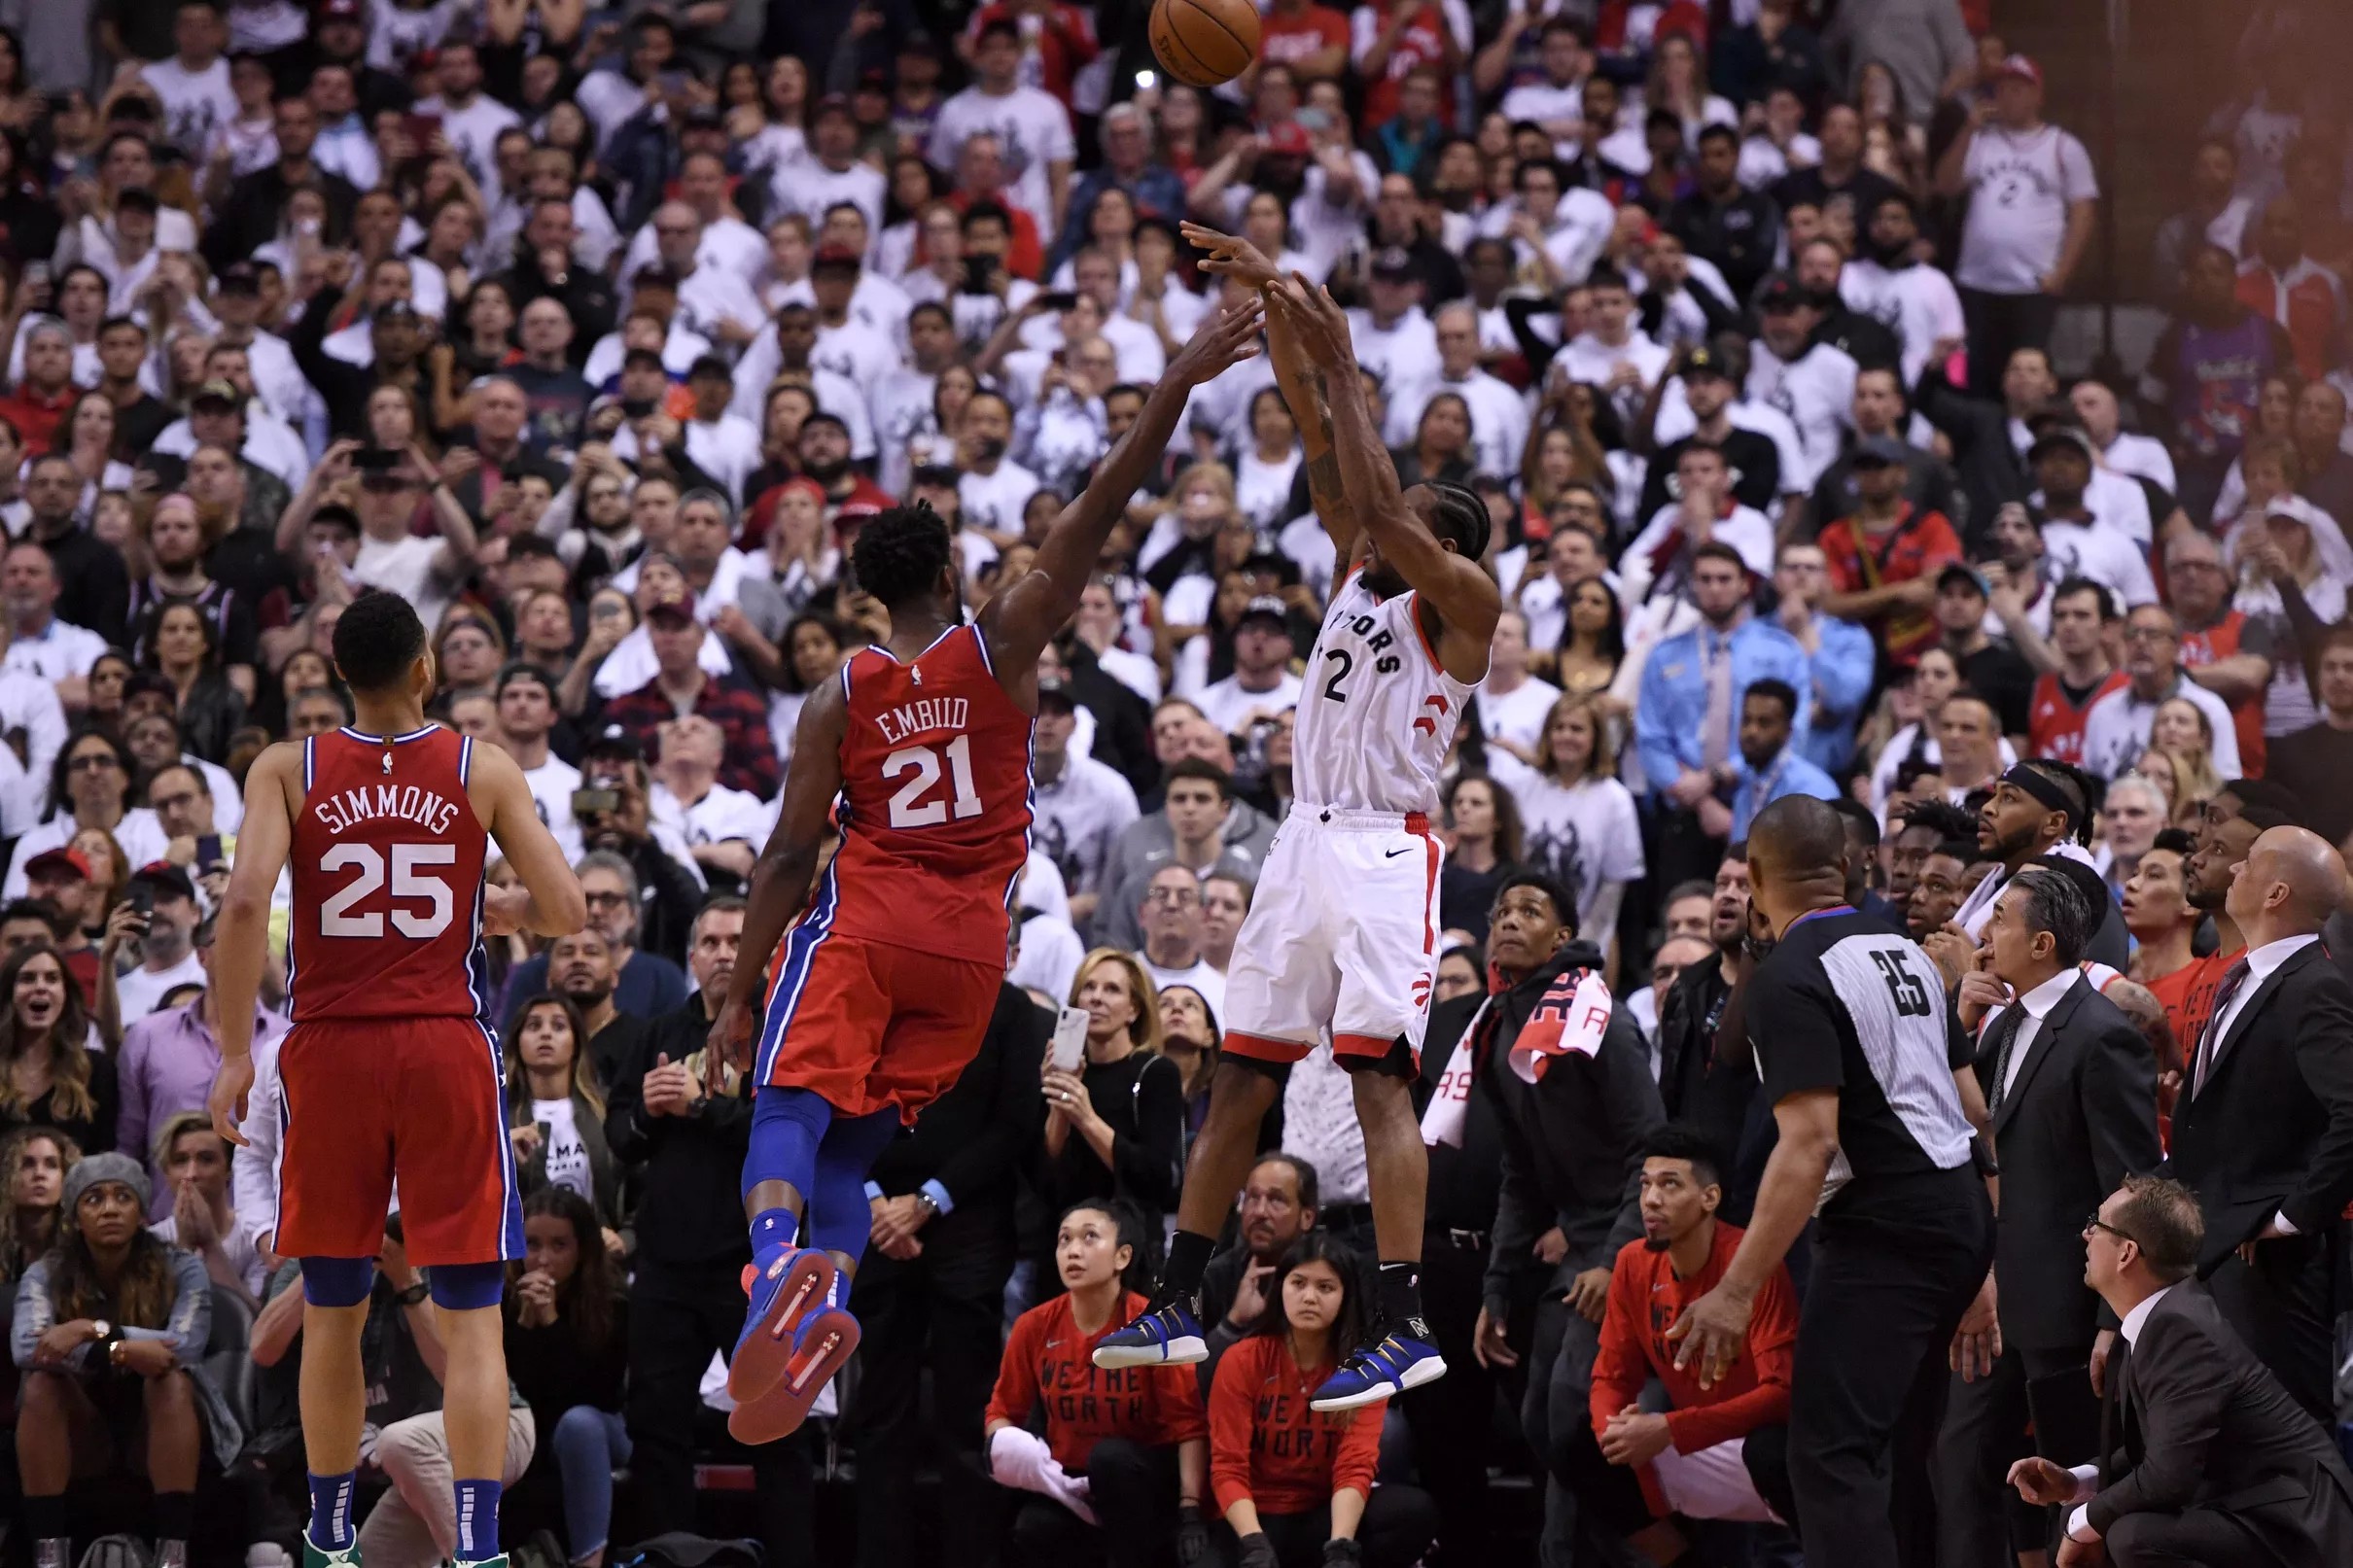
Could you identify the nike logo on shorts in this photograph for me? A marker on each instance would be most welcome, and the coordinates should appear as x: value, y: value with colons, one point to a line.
x: 1392, y: 855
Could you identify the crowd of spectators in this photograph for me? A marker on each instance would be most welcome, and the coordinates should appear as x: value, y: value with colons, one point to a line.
x: 597, y: 334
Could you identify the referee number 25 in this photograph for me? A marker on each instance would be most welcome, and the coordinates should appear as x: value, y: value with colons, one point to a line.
x: 1911, y: 997
x: 409, y: 884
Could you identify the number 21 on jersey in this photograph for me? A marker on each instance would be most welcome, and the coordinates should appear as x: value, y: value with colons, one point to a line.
x: 919, y: 765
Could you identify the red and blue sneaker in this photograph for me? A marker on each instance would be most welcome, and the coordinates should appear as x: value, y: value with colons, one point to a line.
x: 786, y: 1283
x: 820, y: 1346
x: 1168, y: 1335
x: 1402, y: 1360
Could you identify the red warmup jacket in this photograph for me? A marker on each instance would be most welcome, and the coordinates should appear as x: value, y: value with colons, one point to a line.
x: 1645, y: 1298
x: 1268, y: 1447
x: 1048, y: 1360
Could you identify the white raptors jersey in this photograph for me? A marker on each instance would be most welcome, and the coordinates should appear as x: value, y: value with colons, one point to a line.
x: 1376, y: 712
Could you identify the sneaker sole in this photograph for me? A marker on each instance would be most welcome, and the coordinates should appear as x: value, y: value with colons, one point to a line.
x: 1427, y: 1371
x: 765, y: 1354
x: 1188, y: 1351
x: 832, y: 1338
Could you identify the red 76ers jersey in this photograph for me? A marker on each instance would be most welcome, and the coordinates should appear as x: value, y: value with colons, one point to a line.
x: 387, y: 858
x: 934, y: 801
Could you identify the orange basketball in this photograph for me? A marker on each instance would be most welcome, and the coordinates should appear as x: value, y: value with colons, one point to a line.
x: 1205, y: 42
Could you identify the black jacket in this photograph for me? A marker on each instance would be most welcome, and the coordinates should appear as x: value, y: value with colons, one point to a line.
x: 1465, y: 1183
x: 690, y: 1177
x: 1988, y: 467
x: 1715, y: 1090
x: 971, y: 1139
x: 1741, y: 236
x: 2080, y: 1116
x: 2272, y: 1129
x: 1572, y: 1142
x: 249, y: 219
x: 342, y: 386
x: 585, y: 295
x: 2198, y: 1424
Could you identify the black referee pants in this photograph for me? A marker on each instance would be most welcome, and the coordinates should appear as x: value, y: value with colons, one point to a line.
x: 1888, y: 1290
x: 1980, y: 1520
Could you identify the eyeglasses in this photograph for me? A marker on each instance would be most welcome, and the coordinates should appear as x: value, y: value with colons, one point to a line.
x: 1178, y: 896
x: 2150, y: 633
x: 96, y: 762
x: 2095, y: 1223
x: 607, y: 900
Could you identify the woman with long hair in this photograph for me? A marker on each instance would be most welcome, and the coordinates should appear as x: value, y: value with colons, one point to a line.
x: 913, y: 184
x: 1678, y: 82
x: 184, y: 647
x: 1592, y: 649
x: 1267, y: 467
x: 33, y: 1161
x: 49, y: 1076
x: 555, y: 1107
x: 1116, y: 1127
x: 1582, y: 831
x: 108, y: 677
x: 1485, y: 842
x: 1136, y: 1437
x: 2295, y: 572
x: 770, y: 130
x: 1289, y: 1479
x: 2185, y: 767
x: 1558, y: 455
x: 110, y: 1332
x: 1442, y: 444
x: 567, y: 1350
x: 481, y: 341
x: 87, y: 439
x: 1189, y: 1037
x: 90, y: 785
x: 1911, y: 709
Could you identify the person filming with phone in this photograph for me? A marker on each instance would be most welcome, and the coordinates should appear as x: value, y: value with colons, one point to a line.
x: 163, y: 896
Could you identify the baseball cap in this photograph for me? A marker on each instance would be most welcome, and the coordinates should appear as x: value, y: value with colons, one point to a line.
x: 1781, y: 291
x: 396, y: 310
x: 834, y: 256
x: 218, y: 392
x: 613, y: 741
x: 1266, y: 607
x: 2020, y: 66
x: 1288, y: 138
x: 705, y: 117
x: 1056, y: 688
x: 1879, y: 451
x: 1394, y: 264
x: 832, y: 103
x: 677, y: 611
x: 59, y: 861
x: 1705, y: 360
x: 342, y: 10
x: 240, y: 277
x: 1965, y: 573
x: 2056, y: 435
x: 164, y: 877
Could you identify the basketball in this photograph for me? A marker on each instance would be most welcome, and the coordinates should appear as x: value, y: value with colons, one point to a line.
x: 1205, y: 42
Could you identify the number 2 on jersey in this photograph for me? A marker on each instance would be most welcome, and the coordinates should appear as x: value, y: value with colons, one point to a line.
x: 908, y: 808
x: 336, y: 917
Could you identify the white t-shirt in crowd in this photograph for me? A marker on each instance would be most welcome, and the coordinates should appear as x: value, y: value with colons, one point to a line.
x: 1033, y: 130
x: 196, y: 103
x: 141, y: 988
x: 1201, y: 977
x: 1517, y: 716
x: 1226, y: 705
x: 2021, y: 184
x: 567, y: 1154
x: 551, y: 785
x: 1583, y: 835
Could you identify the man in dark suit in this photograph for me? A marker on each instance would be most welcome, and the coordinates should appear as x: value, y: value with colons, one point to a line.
x: 2205, y: 1459
x: 2072, y: 1091
x: 2263, y: 1130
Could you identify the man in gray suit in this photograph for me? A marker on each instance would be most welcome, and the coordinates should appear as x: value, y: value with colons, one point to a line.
x: 2207, y: 1461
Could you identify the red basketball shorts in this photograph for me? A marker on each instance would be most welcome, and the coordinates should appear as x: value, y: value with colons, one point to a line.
x: 369, y: 1101
x: 867, y: 1025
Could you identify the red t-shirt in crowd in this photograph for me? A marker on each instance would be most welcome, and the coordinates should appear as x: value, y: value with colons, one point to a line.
x: 1288, y: 39
x: 1922, y: 544
x: 1421, y: 43
x: 1645, y: 1298
x: 2054, y: 721
x: 1048, y: 1361
x: 1269, y: 1447
x: 2217, y: 642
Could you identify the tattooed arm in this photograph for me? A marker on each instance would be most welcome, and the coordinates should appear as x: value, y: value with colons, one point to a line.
x: 1303, y: 390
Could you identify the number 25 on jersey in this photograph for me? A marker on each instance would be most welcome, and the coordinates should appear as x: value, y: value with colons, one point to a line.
x: 409, y: 884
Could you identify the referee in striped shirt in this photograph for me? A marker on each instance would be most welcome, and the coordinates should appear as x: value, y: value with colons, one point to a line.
x: 1858, y: 1053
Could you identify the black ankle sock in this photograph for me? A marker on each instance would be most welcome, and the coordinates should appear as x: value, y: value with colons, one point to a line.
x: 1188, y: 1259
x: 44, y: 1517
x: 1401, y: 1296
x: 175, y: 1515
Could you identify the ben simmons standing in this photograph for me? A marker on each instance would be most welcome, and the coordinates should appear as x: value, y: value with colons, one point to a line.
x: 392, y: 1069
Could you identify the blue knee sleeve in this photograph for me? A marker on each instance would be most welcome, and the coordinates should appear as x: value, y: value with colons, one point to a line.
x: 787, y: 1127
x: 463, y: 1287
x: 839, y: 1215
x: 337, y: 1281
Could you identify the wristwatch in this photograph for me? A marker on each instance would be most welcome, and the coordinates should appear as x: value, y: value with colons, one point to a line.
x: 415, y: 1294
x: 928, y: 1205
x: 100, y: 1331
